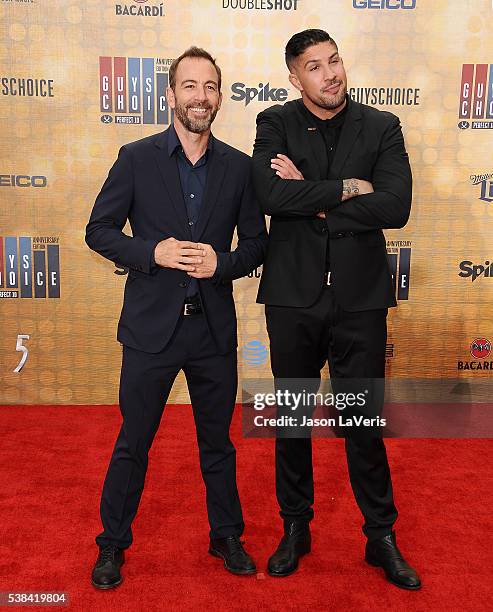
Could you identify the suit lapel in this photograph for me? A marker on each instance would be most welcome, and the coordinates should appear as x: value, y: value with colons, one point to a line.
x: 171, y: 178
x: 349, y: 134
x: 216, y: 172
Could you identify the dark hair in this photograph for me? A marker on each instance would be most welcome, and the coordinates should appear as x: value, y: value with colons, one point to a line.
x: 193, y: 52
x: 299, y: 43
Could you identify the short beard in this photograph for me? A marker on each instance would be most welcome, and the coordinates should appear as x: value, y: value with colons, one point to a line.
x: 197, y: 126
x: 330, y: 102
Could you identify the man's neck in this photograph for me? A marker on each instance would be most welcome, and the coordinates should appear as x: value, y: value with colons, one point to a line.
x: 194, y: 145
x: 322, y: 113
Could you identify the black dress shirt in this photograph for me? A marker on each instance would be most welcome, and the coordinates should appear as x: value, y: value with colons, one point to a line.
x: 331, y: 132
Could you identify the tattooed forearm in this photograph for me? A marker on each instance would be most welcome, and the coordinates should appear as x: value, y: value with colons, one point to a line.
x: 350, y: 188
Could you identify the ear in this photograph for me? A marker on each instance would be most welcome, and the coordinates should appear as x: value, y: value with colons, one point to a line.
x: 220, y: 100
x: 170, y: 96
x: 293, y: 79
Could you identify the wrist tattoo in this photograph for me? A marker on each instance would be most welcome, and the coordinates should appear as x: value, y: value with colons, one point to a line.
x: 350, y: 187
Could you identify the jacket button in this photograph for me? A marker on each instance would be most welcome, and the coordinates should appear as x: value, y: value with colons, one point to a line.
x: 324, y: 229
x: 182, y: 285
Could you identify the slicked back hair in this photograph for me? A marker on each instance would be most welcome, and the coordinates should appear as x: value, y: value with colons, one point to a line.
x: 299, y: 43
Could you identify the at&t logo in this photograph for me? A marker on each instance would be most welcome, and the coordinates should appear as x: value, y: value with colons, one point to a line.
x: 255, y: 353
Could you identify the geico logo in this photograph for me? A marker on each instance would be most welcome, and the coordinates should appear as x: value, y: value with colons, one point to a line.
x: 384, y: 4
x: 468, y: 269
x: 22, y: 180
x: 264, y: 93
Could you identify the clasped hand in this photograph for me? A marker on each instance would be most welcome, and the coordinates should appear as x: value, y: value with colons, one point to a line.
x: 198, y: 260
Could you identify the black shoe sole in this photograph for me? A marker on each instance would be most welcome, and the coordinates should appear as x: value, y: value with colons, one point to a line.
x: 106, y: 587
x: 276, y: 575
x: 216, y: 553
x: 389, y: 579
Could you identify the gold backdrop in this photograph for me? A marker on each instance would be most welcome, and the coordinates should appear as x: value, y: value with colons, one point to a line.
x: 60, y: 136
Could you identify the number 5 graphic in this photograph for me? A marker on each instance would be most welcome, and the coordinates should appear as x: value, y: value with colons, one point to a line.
x: 20, y: 347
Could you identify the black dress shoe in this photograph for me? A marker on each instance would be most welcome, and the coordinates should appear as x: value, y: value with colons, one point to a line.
x: 106, y: 572
x: 295, y: 543
x: 231, y: 550
x: 384, y: 553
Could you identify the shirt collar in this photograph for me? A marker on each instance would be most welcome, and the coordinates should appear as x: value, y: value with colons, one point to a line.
x: 174, y: 142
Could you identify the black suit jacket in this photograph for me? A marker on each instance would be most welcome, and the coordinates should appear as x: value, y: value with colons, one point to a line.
x: 144, y: 187
x: 371, y: 147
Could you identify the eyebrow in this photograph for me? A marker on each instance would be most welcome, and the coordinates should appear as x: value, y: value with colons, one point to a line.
x: 195, y: 82
x: 314, y: 61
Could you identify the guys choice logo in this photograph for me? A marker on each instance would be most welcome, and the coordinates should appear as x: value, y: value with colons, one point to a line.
x: 476, y: 97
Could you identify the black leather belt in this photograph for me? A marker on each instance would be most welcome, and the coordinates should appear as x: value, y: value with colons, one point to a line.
x: 192, y: 306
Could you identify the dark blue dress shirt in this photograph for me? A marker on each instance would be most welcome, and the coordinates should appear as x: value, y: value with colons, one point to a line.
x: 193, y: 179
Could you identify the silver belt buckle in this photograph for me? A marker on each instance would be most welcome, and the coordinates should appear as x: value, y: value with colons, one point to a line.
x: 328, y: 278
x: 185, y: 309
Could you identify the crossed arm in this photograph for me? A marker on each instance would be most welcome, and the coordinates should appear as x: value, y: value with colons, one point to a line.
x: 362, y: 206
x: 285, y: 169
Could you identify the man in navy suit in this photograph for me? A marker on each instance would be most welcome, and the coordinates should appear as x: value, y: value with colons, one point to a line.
x: 184, y: 193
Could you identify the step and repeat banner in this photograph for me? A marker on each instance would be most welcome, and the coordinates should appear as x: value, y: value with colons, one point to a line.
x: 80, y: 78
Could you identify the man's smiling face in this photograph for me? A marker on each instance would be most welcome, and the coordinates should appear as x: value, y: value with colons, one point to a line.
x: 196, y: 97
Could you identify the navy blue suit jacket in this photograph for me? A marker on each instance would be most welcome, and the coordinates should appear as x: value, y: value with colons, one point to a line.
x: 144, y: 187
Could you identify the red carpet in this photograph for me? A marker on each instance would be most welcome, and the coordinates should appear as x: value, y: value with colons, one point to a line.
x: 53, y: 461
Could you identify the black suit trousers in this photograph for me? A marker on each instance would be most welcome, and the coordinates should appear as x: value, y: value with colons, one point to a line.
x: 145, y: 383
x: 302, y: 340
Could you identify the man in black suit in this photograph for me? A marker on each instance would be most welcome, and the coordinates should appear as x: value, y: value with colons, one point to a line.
x: 184, y: 193
x: 332, y: 174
